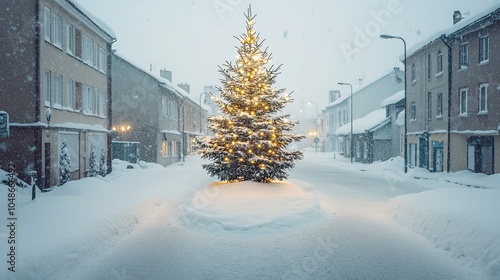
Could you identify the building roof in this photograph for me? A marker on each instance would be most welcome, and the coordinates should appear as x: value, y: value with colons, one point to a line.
x: 163, y: 82
x: 358, y: 88
x: 98, y: 23
x: 453, y: 30
x: 393, y: 99
x: 372, y: 121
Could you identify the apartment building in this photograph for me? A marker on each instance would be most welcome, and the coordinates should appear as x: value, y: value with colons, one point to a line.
x: 56, y: 87
x: 365, y: 99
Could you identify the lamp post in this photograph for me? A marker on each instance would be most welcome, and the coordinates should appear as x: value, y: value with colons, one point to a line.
x: 385, y: 36
x: 352, y: 146
x: 316, y: 124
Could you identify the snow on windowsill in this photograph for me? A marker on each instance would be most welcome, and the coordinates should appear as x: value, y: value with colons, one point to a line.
x: 439, y: 74
x: 463, y: 68
x: 463, y: 115
x: 483, y: 62
x: 482, y: 113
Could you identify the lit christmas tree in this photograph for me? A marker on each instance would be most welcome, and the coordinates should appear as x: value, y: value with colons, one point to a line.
x: 250, y: 138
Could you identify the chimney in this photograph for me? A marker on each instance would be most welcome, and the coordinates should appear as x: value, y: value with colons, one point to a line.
x: 457, y: 16
x: 333, y: 95
x: 166, y: 74
x: 184, y: 86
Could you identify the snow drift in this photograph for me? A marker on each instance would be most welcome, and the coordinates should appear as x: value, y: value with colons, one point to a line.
x: 456, y: 220
x: 251, y: 206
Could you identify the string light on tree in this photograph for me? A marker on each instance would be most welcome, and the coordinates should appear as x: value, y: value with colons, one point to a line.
x: 251, y: 122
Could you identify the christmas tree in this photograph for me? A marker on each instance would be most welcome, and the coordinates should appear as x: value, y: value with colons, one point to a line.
x: 93, y: 167
x: 250, y: 138
x: 64, y: 164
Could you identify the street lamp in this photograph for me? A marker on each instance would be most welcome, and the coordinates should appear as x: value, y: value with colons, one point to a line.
x: 316, y: 124
x: 352, y: 146
x: 385, y: 36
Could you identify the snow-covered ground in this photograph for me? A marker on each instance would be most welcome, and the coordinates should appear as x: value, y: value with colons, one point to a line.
x: 330, y: 220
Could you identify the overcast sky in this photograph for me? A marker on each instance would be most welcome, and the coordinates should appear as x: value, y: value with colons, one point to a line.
x: 310, y: 37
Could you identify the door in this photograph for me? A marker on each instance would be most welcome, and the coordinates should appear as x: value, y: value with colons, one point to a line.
x: 438, y: 159
x: 423, y: 150
x: 47, y: 165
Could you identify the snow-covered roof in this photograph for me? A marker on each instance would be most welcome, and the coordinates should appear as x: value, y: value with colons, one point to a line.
x: 395, y: 98
x: 358, y: 88
x: 163, y: 82
x: 451, y: 30
x: 400, y: 120
x: 366, y: 123
x: 175, y: 132
x: 99, y: 23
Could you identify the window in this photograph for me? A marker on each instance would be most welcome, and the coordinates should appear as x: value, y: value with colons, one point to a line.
x: 101, y: 60
x: 69, y: 39
x: 429, y: 106
x: 439, y: 66
x: 78, y: 96
x: 464, y: 55
x: 70, y: 94
x: 429, y: 63
x: 483, y: 98
x: 463, y: 101
x: 175, y: 151
x: 439, y: 105
x: 88, y: 100
x: 87, y: 50
x: 102, y: 104
x: 413, y: 111
x: 164, y: 149
x: 78, y: 43
x: 46, y: 24
x: 58, y: 37
x: 95, y: 55
x: 484, y: 46
x: 57, y: 91
x: 339, y: 119
x: 46, y: 87
x: 413, y: 73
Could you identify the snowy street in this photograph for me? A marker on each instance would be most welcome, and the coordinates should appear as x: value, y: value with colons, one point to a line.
x: 357, y: 240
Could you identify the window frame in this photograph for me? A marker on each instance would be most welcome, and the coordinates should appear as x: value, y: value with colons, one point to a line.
x: 70, y: 94
x: 47, y: 20
x: 413, y: 111
x: 484, y: 49
x: 439, y: 105
x: 429, y: 106
x: 439, y: 63
x: 463, y: 55
x: 70, y: 45
x: 463, y: 105
x: 429, y: 66
x: 413, y: 73
x: 47, y: 87
x: 87, y: 105
x: 58, y: 32
x: 58, y: 88
x: 483, y: 98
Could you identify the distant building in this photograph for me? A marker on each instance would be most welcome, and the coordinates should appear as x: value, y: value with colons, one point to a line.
x: 150, y: 110
x: 366, y: 98
x: 55, y: 84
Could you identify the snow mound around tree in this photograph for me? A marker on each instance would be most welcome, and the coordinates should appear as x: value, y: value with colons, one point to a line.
x: 253, y: 207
